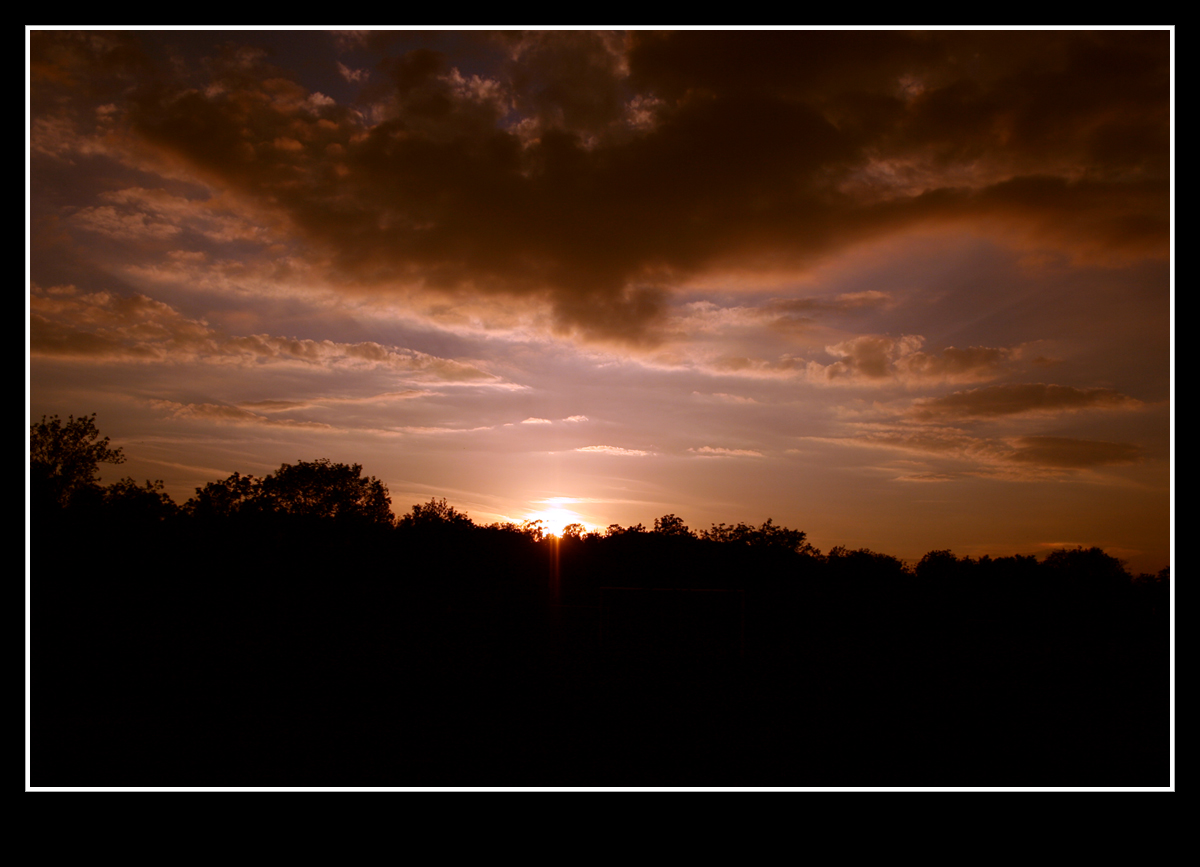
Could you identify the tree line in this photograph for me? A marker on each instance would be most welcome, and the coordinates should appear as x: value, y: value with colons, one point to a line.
x: 290, y: 629
x: 65, y: 459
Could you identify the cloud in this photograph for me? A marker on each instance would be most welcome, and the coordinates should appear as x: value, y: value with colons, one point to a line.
x: 787, y: 315
x: 103, y: 326
x: 277, y: 405
x: 1018, y: 458
x: 239, y: 415
x: 232, y: 415
x: 728, y: 398
x: 874, y: 358
x: 743, y: 365
x: 1020, y: 399
x: 60, y: 138
x: 354, y: 76
x: 799, y: 315
x: 594, y: 171
x: 107, y: 221
x: 152, y: 215
x: 719, y: 452
x: 537, y: 421
x: 944, y: 442
x: 1072, y: 453
x: 614, y: 450
x: 867, y: 360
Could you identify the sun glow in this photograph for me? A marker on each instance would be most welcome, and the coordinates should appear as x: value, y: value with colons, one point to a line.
x: 555, y: 517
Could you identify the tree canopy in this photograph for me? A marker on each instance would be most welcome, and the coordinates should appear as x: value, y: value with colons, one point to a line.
x: 319, y: 489
x: 436, y: 514
x: 64, y: 458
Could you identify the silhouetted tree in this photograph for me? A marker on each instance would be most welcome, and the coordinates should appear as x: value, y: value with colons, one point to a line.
x: 531, y: 531
x: 938, y: 568
x: 865, y: 567
x: 1154, y: 591
x: 1085, y: 580
x: 323, y: 489
x: 130, y: 503
x: 317, y: 489
x: 670, y: 525
x: 1088, y: 570
x: 769, y: 535
x: 223, y: 499
x: 64, y: 459
x: 436, y: 514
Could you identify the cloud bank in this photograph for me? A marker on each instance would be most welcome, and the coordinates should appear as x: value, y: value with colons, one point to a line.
x: 592, y: 172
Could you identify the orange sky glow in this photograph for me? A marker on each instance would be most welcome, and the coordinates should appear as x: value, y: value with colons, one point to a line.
x: 901, y: 290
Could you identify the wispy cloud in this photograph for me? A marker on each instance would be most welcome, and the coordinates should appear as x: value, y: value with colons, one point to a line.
x: 232, y: 415
x: 285, y: 405
x: 1071, y: 453
x: 1020, y: 399
x: 720, y: 452
x: 104, y: 327
x: 614, y: 450
x: 1022, y: 457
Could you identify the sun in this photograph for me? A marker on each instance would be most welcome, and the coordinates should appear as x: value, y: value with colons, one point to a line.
x: 555, y: 517
x: 553, y: 520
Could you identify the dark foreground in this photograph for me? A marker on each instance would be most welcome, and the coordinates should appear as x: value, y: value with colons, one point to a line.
x: 358, y: 683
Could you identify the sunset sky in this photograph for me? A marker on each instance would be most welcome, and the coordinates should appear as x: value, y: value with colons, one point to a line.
x: 901, y: 290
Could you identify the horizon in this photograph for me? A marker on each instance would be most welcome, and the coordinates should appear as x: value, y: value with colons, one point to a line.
x: 904, y: 291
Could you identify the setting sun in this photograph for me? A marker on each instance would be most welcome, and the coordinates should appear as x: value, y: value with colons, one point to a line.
x: 555, y: 518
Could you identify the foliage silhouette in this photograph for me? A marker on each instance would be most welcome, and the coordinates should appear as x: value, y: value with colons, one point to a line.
x: 307, y: 490
x: 670, y: 525
x: 223, y: 499
x: 436, y: 513
x: 64, y: 458
x: 127, y: 501
x: 326, y: 490
x: 769, y: 535
x: 298, y: 628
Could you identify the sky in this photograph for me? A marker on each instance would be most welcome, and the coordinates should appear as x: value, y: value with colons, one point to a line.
x: 901, y: 290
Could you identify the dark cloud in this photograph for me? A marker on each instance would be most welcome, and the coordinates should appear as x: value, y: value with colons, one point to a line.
x: 569, y: 79
x: 591, y: 170
x: 97, y: 63
x: 1072, y: 453
x: 1018, y: 399
x: 1026, y: 458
